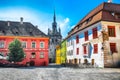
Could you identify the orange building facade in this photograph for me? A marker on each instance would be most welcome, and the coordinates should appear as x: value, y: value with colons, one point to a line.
x: 35, y: 48
x: 33, y: 41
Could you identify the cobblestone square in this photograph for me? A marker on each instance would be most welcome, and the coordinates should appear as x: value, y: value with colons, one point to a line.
x: 59, y: 73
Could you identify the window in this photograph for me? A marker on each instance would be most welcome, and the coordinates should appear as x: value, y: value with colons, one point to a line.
x: 75, y: 60
x: 77, y: 51
x: 86, y: 35
x: 111, y: 31
x: 52, y: 40
x: 79, y: 61
x: 95, y: 48
x: 85, y: 50
x: 113, y: 47
x: 2, y: 44
x: 32, y: 55
x: 41, y: 54
x: 42, y: 45
x: 24, y: 44
x: 71, y: 42
x: 77, y: 39
x: 94, y: 30
x: 1, y: 54
x: 33, y: 44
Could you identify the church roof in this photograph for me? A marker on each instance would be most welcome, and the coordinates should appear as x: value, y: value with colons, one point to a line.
x: 12, y: 28
x: 103, y: 12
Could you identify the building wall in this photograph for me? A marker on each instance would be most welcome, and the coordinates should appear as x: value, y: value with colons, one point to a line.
x: 80, y: 57
x: 58, y: 55
x: 38, y: 61
x: 70, y: 46
x: 103, y: 57
x: 112, y: 59
x: 63, y: 51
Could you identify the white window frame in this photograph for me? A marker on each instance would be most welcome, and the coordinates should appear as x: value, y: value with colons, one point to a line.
x: 25, y: 44
x: 42, y: 55
x: 43, y: 45
x: 33, y: 56
x: 32, y: 43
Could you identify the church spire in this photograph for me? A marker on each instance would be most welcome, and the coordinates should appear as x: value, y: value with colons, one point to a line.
x: 54, y: 24
x: 54, y: 16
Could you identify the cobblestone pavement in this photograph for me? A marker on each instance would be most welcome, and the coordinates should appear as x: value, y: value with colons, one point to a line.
x: 58, y: 73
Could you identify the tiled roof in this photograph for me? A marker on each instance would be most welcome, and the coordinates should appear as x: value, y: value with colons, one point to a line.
x: 8, y: 28
x: 104, y: 12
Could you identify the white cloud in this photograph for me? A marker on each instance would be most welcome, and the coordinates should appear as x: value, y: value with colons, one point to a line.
x: 64, y: 24
x: 42, y: 20
x: 66, y: 20
x: 29, y: 16
x: 72, y: 26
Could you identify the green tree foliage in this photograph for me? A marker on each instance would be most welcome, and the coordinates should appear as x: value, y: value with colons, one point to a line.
x: 16, y: 53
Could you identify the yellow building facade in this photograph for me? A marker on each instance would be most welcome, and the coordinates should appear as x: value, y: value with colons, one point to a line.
x: 58, y: 55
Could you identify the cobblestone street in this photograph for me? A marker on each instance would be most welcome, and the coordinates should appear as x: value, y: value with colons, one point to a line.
x: 58, y: 73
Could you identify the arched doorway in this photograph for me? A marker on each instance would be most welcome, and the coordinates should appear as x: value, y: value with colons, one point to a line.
x: 85, y: 61
x: 32, y: 63
x: 93, y: 61
x: 75, y: 61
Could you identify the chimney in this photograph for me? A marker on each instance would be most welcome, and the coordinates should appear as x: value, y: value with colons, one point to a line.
x: 8, y: 23
x: 21, y: 20
x: 36, y: 26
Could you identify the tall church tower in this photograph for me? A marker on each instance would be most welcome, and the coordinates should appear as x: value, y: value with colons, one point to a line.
x: 55, y: 38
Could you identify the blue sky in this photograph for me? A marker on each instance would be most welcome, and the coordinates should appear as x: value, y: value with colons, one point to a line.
x: 40, y: 12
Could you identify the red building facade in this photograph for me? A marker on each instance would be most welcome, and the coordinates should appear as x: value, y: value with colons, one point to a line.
x: 34, y: 43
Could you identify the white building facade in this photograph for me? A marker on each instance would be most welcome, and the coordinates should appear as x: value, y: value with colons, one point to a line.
x: 96, y: 38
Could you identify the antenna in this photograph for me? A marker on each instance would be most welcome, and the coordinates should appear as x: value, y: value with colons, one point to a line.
x: 109, y: 1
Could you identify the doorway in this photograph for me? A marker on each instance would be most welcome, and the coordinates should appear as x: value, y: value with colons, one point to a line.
x: 93, y: 61
x: 32, y: 63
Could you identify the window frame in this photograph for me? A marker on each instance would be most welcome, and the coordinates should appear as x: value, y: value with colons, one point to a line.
x: 42, y: 55
x: 85, y: 49
x: 113, y: 48
x: 86, y: 35
x: 95, y: 32
x: 43, y: 44
x: 2, y: 44
x: 95, y: 48
x: 25, y: 44
x: 77, y: 51
x: 33, y: 55
x: 77, y: 39
x: 32, y: 44
x: 111, y: 31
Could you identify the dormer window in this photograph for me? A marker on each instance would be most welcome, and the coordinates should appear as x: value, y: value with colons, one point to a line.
x: 4, y: 32
x: 16, y: 33
x: 88, y: 20
x: 31, y: 33
x: 118, y: 16
x: 112, y: 13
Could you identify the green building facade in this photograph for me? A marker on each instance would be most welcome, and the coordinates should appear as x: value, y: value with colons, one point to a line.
x: 63, y: 51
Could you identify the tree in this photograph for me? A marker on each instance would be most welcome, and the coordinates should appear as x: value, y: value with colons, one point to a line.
x: 16, y: 53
